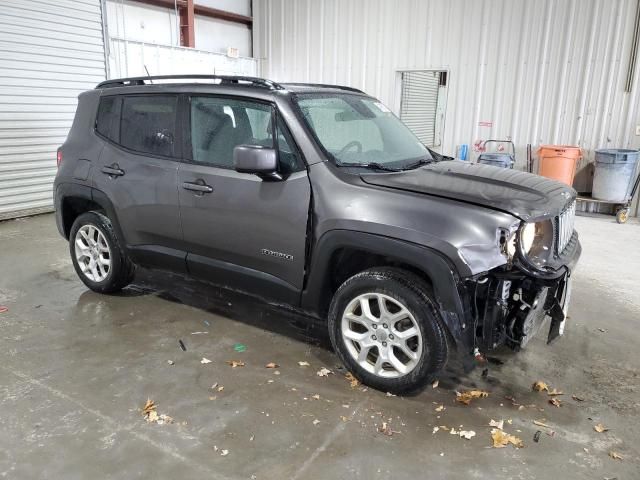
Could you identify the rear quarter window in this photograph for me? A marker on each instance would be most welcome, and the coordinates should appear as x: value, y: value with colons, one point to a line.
x: 108, y: 117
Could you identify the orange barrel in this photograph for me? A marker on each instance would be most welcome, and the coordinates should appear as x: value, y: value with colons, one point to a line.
x: 558, y: 162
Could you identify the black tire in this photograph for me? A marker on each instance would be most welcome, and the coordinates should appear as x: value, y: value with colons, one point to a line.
x: 121, y: 270
x: 416, y: 295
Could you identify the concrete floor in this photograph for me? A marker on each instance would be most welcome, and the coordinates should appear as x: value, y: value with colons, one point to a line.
x: 76, y: 367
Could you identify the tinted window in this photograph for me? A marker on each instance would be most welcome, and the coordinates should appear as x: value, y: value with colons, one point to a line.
x: 108, y: 117
x: 148, y: 124
x: 218, y: 125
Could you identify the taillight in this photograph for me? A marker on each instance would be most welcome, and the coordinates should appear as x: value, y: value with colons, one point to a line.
x: 59, y: 156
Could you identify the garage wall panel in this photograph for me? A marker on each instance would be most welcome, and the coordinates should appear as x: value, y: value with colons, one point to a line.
x: 539, y: 72
x: 50, y: 51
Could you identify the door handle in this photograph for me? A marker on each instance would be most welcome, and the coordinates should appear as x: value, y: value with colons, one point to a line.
x: 197, y: 186
x: 113, y: 170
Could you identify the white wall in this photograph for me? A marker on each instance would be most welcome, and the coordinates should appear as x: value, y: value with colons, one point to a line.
x: 216, y: 35
x: 243, y: 7
x: 543, y: 71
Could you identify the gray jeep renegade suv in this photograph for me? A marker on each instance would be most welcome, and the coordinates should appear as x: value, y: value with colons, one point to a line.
x: 317, y: 197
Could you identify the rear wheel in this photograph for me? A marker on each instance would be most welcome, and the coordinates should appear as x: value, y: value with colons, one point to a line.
x: 386, y: 329
x: 97, y: 256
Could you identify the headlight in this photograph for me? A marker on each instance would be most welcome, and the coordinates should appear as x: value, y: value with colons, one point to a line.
x: 536, y: 242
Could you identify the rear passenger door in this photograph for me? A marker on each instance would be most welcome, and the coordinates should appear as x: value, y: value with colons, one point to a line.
x: 242, y: 231
x: 137, y: 171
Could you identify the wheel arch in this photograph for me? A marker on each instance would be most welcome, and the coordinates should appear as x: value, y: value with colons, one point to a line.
x: 338, y: 254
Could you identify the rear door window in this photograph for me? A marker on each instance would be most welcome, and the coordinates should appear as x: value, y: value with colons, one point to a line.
x: 148, y: 124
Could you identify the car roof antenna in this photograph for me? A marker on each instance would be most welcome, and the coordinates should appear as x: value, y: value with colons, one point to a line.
x: 148, y: 74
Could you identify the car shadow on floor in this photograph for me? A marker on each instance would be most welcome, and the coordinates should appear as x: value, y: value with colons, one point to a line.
x: 278, y: 319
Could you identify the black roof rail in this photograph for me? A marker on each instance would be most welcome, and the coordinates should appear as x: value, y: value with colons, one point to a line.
x: 224, y: 80
x: 323, y: 85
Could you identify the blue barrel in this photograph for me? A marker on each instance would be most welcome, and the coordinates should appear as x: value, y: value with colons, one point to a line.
x: 614, y: 174
x: 502, y: 160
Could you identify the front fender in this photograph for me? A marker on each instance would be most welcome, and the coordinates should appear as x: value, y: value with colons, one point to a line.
x: 444, y: 278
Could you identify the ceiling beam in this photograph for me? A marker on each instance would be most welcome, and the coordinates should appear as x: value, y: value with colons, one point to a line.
x: 202, y: 10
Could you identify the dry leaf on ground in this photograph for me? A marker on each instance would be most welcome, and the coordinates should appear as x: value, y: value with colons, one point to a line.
x: 600, y: 428
x: 540, y: 386
x: 615, y: 455
x: 151, y: 415
x: 386, y: 429
x: 324, y: 372
x: 555, y: 402
x: 304, y: 364
x: 497, y: 424
x: 205, y: 360
x: 468, y: 395
x: 149, y: 406
x: 272, y: 365
x: 315, y: 397
x: 501, y: 439
x: 554, y: 392
x: 577, y: 398
x: 352, y: 380
x: 235, y: 363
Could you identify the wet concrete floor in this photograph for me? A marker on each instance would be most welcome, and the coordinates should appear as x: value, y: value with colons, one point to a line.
x: 76, y: 367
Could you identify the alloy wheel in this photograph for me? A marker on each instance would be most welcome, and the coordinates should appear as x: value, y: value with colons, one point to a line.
x: 381, y: 335
x: 92, y: 253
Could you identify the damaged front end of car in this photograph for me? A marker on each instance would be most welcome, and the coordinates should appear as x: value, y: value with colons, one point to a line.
x: 509, y: 304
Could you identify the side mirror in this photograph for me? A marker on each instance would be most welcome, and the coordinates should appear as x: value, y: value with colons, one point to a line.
x: 261, y: 161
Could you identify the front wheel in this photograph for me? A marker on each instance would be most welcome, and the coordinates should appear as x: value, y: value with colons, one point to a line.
x: 386, y: 329
x: 97, y: 256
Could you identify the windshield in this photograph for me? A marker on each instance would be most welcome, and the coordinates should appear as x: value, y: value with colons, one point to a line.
x: 358, y: 130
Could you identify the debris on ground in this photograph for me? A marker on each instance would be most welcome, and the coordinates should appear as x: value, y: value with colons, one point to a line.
x: 204, y: 361
x: 556, y: 402
x: 540, y: 386
x: 199, y: 333
x: 468, y: 434
x: 440, y: 408
x: 498, y: 424
x: 577, y: 398
x: 344, y: 419
x: 602, y: 330
x: 386, y: 429
x: 3, y: 308
x: 501, y: 439
x: 536, y: 436
x: 315, y: 397
x: 224, y: 453
x: 468, y: 395
x: 435, y: 430
x: 206, y: 322
x: 181, y: 343
x: 304, y: 364
x: 316, y: 421
x: 435, y: 384
x: 540, y: 423
x: 352, y: 380
x: 216, y: 387
x: 240, y: 347
x: 389, y: 394
x: 235, y: 363
x: 600, y: 428
x: 150, y: 413
x: 272, y: 365
x: 554, y: 393
x: 171, y: 362
x: 324, y: 372
x: 615, y: 455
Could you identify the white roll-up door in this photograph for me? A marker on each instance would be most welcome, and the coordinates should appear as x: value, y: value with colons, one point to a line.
x: 50, y: 51
x: 419, y: 104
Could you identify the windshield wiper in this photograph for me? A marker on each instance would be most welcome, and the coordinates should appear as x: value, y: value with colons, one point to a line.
x: 419, y: 163
x: 372, y: 165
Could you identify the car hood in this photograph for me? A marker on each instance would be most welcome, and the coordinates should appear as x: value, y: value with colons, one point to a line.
x: 521, y: 194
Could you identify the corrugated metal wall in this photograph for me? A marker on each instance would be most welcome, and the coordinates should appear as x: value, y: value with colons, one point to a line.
x: 539, y: 72
x: 50, y: 51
